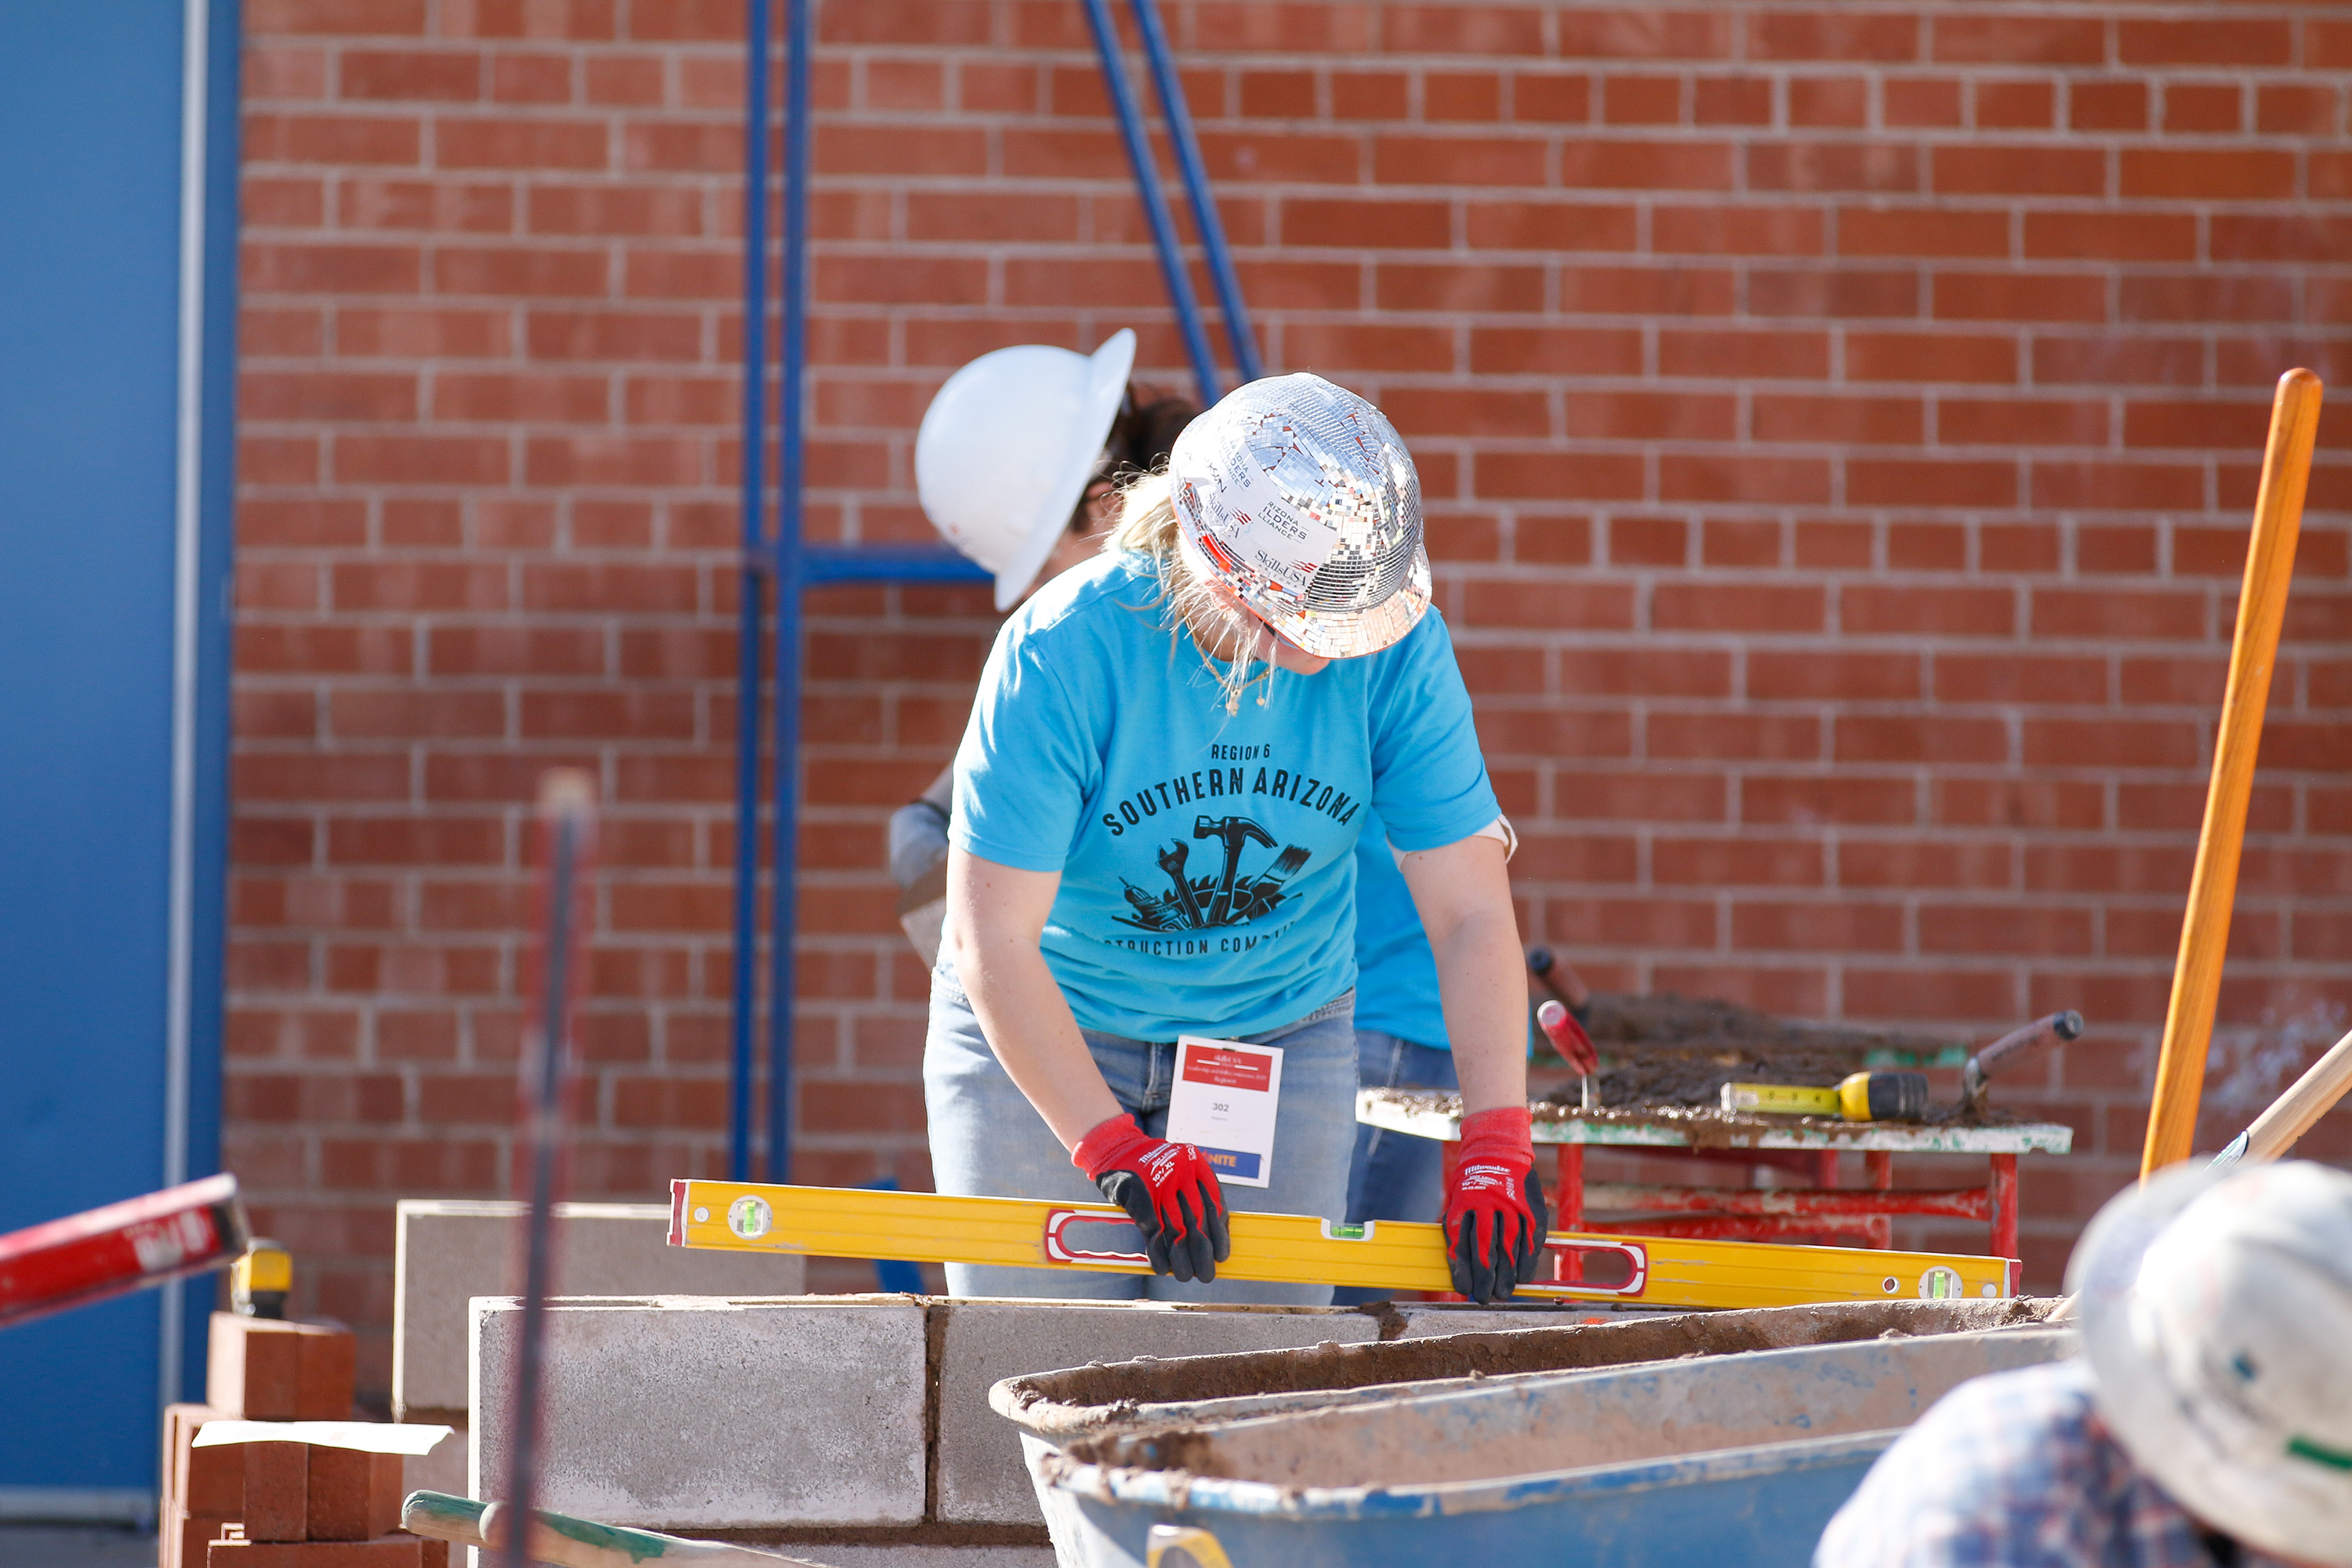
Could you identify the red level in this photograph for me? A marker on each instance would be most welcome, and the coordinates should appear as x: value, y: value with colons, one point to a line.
x: 137, y: 1242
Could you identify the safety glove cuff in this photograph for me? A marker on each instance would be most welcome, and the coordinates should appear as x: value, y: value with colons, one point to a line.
x: 1169, y: 1190
x: 1496, y: 1217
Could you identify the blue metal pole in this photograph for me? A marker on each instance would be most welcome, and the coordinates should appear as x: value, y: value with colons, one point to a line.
x: 1211, y: 229
x: 748, y: 652
x: 1155, y: 206
x: 800, y: 28
x: 826, y: 563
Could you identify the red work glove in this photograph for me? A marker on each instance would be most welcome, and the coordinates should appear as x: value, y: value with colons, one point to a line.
x: 1167, y: 1189
x: 1495, y: 1214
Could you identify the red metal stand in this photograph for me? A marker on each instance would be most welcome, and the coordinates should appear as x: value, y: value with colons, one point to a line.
x: 2003, y: 1193
x: 1571, y: 1187
x: 1860, y: 1217
x: 1571, y: 1208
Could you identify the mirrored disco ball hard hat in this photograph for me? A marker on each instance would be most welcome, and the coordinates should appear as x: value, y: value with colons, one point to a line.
x: 1007, y: 445
x: 1300, y: 497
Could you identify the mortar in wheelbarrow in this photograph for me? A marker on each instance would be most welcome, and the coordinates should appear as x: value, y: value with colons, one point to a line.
x: 1736, y: 1433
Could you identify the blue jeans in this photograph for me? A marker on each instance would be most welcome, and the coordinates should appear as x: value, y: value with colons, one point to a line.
x: 1394, y: 1175
x: 988, y: 1141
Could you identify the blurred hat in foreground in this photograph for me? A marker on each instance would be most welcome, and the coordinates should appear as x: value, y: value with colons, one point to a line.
x: 2217, y: 1314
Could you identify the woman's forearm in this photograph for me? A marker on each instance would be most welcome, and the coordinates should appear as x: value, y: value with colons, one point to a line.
x: 1028, y: 1025
x: 1462, y: 894
x: 1485, y: 998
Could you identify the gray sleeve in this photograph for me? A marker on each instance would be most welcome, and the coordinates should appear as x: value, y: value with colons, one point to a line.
x: 919, y: 833
x: 942, y: 791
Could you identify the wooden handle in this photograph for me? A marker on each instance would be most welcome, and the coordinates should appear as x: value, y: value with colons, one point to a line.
x: 2205, y: 931
x: 2310, y: 1097
x: 1560, y: 977
x: 2050, y: 1031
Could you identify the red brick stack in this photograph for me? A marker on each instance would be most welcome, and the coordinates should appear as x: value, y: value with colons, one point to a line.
x: 203, y: 1488
x: 280, y: 1505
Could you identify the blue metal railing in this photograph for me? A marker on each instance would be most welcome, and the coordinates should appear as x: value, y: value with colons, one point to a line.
x: 792, y: 418
x: 782, y: 566
x: 754, y: 590
x: 824, y: 564
x: 1155, y: 205
x: 1205, y: 222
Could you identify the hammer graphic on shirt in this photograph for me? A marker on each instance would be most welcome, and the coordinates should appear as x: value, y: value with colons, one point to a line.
x: 1236, y: 831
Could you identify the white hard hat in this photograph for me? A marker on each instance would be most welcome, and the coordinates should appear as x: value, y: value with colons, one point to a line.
x: 2217, y: 1314
x: 1300, y: 497
x: 1007, y: 447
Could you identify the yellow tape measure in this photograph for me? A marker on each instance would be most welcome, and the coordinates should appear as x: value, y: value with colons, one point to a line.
x: 1028, y: 1233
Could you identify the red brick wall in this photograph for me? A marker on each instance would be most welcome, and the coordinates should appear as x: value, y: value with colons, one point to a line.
x: 1838, y: 427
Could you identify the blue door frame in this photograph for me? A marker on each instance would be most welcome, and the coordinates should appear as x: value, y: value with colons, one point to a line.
x: 118, y: 200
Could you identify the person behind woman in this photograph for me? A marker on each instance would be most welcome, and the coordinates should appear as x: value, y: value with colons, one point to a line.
x: 1400, y: 1043
x: 1156, y: 807
x: 1018, y: 464
x: 966, y: 449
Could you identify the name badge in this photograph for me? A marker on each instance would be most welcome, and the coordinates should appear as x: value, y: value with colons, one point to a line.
x: 1224, y: 1102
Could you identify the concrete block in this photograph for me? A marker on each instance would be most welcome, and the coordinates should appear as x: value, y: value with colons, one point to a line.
x: 447, y: 1253
x: 982, y: 1477
x: 702, y: 1413
x: 277, y: 1492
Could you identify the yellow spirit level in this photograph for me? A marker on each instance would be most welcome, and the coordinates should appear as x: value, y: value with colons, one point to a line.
x: 1028, y: 1233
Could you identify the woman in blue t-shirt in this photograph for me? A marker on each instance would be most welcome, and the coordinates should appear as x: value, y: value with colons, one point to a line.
x: 1157, y: 802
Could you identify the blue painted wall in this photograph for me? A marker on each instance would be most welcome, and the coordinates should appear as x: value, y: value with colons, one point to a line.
x: 90, y: 181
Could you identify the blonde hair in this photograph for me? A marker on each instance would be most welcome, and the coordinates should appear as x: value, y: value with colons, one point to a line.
x: 1147, y: 527
x: 1146, y: 517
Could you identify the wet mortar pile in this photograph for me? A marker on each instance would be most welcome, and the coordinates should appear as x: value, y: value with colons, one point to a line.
x: 1103, y: 1393
x: 1114, y: 1413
